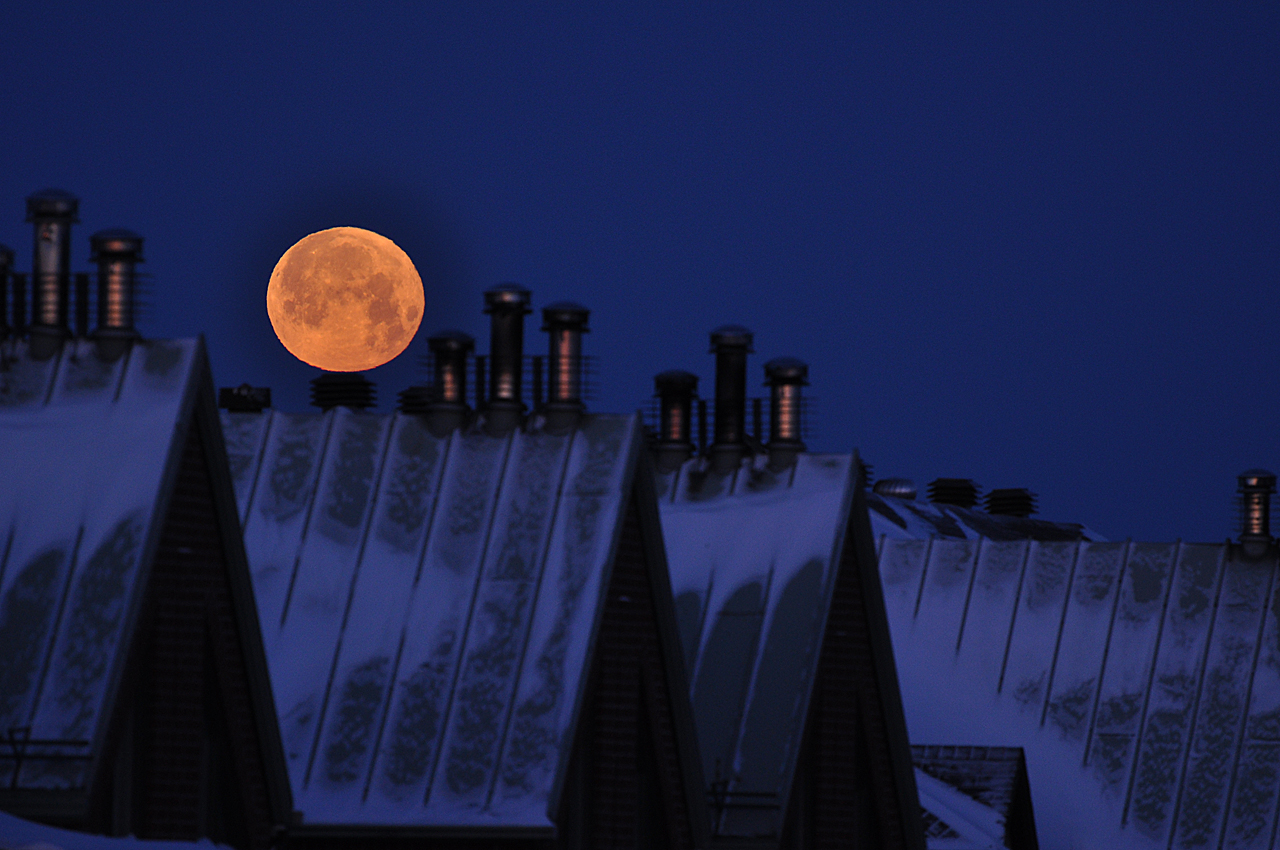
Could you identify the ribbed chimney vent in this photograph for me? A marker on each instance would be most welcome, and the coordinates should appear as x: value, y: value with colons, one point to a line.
x: 961, y: 492
x: 899, y: 488
x: 244, y: 398
x: 447, y: 407
x: 675, y: 390
x: 6, y: 266
x: 731, y: 345
x: 507, y: 305
x: 565, y: 322
x: 1011, y: 501
x: 1256, y: 487
x: 342, y: 389
x: 52, y: 211
x: 785, y: 376
x: 117, y: 253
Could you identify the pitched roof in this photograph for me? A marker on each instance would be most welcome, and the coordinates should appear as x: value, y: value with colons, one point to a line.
x: 974, y: 796
x: 912, y: 519
x: 428, y: 606
x: 77, y: 535
x: 1142, y: 679
x: 19, y: 834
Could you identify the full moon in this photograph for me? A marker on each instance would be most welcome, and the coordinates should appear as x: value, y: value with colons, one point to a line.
x: 345, y: 300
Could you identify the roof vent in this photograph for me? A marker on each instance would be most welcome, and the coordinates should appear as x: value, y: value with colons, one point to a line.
x: 53, y: 211
x: 244, y: 398
x: 785, y: 376
x: 507, y: 305
x: 675, y: 390
x: 446, y: 405
x: 899, y: 488
x: 1256, y: 487
x: 415, y: 400
x: 117, y: 253
x: 565, y: 322
x: 961, y: 492
x: 342, y: 389
x: 6, y: 264
x: 731, y: 345
x: 1011, y: 501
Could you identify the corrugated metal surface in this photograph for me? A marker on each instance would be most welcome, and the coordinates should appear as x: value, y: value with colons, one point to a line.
x: 753, y: 559
x: 427, y: 606
x: 84, y: 449
x: 1142, y: 679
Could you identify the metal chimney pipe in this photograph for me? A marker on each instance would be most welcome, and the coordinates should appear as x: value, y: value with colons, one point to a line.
x: 447, y: 410
x: 565, y: 322
x: 785, y: 376
x: 507, y: 305
x: 731, y: 345
x: 675, y: 390
x: 1256, y: 487
x: 6, y: 265
x: 52, y: 211
x: 117, y: 253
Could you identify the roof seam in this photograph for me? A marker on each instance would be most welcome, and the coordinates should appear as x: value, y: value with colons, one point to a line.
x: 924, y: 571
x: 1013, y: 619
x: 124, y: 370
x: 53, y: 379
x: 973, y: 575
x: 259, y: 455
x: 314, y: 484
x: 1106, y: 651
x: 1057, y: 643
x: 57, y: 626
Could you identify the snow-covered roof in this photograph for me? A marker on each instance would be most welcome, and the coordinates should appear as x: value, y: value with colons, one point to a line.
x: 428, y: 606
x: 87, y: 449
x: 973, y: 796
x: 912, y: 519
x: 19, y: 834
x: 1142, y: 679
x: 753, y: 558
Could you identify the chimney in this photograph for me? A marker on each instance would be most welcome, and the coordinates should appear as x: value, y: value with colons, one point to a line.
x: 342, y: 389
x: 117, y: 253
x: 447, y: 410
x: 731, y: 345
x: 1011, y: 501
x: 899, y: 488
x: 675, y: 390
x: 961, y: 492
x: 565, y: 322
x: 785, y: 376
x: 53, y: 212
x: 1256, y: 487
x: 507, y: 305
x: 6, y: 264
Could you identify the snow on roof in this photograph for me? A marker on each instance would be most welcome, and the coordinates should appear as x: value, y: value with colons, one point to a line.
x: 19, y: 834
x: 753, y: 559
x: 991, y: 777
x: 84, y: 450
x: 427, y: 606
x: 910, y: 519
x: 1142, y: 679
x: 956, y: 821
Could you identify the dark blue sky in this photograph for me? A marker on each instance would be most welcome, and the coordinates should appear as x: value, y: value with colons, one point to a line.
x: 1036, y: 251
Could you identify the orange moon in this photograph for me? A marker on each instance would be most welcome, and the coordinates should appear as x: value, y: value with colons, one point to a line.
x: 345, y: 299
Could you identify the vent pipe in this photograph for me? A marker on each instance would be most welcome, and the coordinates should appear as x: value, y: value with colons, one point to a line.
x: 1011, y: 501
x: 961, y: 492
x: 342, y: 389
x: 447, y: 411
x: 731, y: 345
x: 785, y: 376
x: 507, y: 305
x: 1256, y: 487
x: 899, y: 488
x: 117, y: 253
x: 565, y: 322
x: 53, y: 211
x: 675, y: 390
x: 6, y: 265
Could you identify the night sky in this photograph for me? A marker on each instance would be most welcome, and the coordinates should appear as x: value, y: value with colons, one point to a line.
x: 1035, y: 246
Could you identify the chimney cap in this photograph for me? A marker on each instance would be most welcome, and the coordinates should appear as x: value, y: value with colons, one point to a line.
x: 1257, y: 478
x: 506, y: 295
x: 731, y: 335
x: 786, y: 370
x: 115, y: 241
x: 675, y: 380
x: 565, y: 313
x: 451, y: 340
x: 52, y: 203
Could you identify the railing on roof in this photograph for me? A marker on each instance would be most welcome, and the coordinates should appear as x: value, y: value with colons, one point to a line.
x: 19, y: 740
